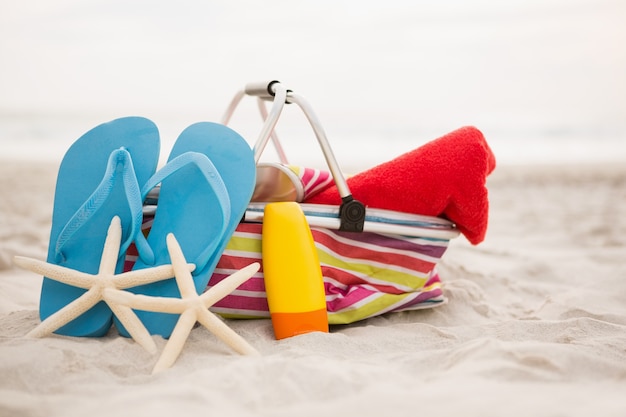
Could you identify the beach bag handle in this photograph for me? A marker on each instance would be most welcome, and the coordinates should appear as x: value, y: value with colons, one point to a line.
x: 351, y: 211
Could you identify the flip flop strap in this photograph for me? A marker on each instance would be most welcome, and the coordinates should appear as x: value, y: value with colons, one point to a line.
x: 213, y: 178
x: 97, y: 199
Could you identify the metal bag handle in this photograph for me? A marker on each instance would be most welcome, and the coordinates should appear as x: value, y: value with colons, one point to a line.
x: 351, y: 211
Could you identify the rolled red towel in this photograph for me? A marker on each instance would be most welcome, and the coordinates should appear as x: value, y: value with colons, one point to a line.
x: 445, y: 177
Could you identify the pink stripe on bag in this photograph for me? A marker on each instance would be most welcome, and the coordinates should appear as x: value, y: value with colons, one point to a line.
x: 348, y: 279
x: 358, y: 251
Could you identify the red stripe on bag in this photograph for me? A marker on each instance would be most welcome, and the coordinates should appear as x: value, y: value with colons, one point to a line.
x: 254, y: 284
x: 349, y: 279
x: 236, y: 262
x: 238, y: 302
x: 384, y: 256
x: 255, y: 228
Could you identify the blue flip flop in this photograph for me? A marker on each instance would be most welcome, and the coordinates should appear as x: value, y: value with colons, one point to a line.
x: 99, y: 177
x: 206, y: 186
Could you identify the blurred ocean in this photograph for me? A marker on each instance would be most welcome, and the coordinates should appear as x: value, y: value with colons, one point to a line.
x: 46, y: 138
x: 545, y: 80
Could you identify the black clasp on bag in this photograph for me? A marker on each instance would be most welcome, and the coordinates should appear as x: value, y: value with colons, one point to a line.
x: 265, y: 90
x: 351, y: 215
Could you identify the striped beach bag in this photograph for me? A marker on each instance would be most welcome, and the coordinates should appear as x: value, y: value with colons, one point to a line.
x: 373, y: 261
x: 365, y: 273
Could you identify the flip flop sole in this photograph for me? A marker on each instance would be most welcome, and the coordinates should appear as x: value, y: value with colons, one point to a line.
x: 80, y: 173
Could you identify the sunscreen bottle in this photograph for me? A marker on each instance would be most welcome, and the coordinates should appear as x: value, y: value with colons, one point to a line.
x: 292, y: 272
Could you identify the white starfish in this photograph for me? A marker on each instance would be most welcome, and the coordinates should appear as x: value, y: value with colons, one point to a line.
x: 96, y: 286
x: 191, y: 307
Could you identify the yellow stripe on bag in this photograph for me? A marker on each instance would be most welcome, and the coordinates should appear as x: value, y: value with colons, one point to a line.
x: 380, y: 303
x: 404, y: 281
x: 244, y: 244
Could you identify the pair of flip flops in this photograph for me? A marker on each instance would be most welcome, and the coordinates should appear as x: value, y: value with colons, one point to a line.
x: 206, y: 186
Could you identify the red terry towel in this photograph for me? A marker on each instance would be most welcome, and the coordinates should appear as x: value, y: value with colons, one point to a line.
x: 445, y: 177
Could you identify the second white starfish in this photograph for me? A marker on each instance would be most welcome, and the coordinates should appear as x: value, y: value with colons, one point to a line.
x: 191, y: 307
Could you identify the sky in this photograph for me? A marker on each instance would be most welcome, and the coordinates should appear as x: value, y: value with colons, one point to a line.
x: 520, y: 67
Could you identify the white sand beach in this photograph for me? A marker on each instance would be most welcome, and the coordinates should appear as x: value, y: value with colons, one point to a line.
x: 535, y: 325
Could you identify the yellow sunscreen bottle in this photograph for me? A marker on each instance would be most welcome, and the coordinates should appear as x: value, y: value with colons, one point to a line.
x: 292, y: 272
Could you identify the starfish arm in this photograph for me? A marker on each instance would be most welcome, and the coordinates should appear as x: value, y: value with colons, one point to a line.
x: 111, y: 250
x: 225, y: 333
x: 184, y: 279
x: 146, y: 276
x: 177, y: 340
x: 145, y: 302
x: 134, y: 326
x: 58, y: 273
x: 229, y: 284
x: 67, y: 313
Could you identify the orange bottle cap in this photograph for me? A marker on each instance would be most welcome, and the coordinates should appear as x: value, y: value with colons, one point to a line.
x: 292, y: 324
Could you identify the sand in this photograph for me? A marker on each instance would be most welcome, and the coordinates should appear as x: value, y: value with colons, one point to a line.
x: 535, y: 325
